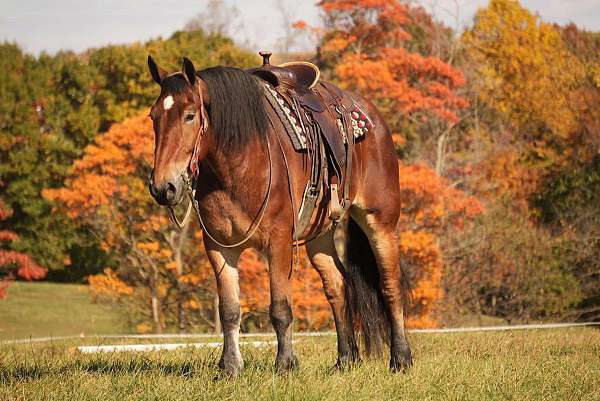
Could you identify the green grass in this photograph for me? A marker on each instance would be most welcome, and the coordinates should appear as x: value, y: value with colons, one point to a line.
x: 44, y: 309
x: 562, y: 364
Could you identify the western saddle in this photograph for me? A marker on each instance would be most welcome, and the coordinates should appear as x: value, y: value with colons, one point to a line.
x: 320, y: 120
x: 298, y: 75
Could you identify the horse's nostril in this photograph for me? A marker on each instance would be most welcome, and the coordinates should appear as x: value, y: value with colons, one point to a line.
x: 170, y: 192
x: 153, y: 189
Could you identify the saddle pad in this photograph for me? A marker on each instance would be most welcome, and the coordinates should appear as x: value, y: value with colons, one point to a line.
x: 289, y: 118
x: 359, y: 120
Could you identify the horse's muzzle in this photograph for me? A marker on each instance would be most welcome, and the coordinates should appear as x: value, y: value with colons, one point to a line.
x: 167, y: 194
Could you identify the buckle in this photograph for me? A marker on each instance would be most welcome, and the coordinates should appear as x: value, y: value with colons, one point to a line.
x: 335, y: 209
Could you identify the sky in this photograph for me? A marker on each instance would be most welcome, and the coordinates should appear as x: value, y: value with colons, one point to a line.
x: 43, y: 25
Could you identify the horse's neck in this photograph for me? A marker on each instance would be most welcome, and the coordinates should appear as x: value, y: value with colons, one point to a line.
x: 237, y: 173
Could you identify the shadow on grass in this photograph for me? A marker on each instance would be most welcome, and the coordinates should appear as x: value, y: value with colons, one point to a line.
x: 110, y: 367
x: 193, y: 365
x: 137, y: 365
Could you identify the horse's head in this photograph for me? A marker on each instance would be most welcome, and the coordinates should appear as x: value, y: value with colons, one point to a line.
x: 180, y: 120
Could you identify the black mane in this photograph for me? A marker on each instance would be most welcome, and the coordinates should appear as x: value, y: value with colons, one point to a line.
x: 237, y: 112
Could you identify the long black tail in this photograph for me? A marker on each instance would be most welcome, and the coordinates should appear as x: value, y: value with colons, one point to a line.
x: 364, y: 291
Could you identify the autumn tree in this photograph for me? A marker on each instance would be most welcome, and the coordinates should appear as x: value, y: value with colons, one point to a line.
x: 52, y: 106
x: 106, y: 190
x: 585, y: 46
x: 568, y: 202
x: 569, y: 205
x: 512, y: 269
x: 431, y: 210
x: 526, y: 73
x: 15, y: 264
x: 369, y: 48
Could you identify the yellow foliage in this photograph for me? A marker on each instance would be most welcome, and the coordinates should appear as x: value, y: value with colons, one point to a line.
x: 525, y: 70
x: 191, y: 278
x: 149, y: 246
x: 108, y: 284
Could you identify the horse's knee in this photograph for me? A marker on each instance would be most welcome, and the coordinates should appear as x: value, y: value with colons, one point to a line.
x: 281, y: 315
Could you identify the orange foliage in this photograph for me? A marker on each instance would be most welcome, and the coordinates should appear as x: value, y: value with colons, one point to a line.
x: 108, y: 285
x: 106, y: 172
x: 107, y: 191
x: 254, y: 282
x: 428, y: 204
x: 364, y: 41
x: 505, y: 175
x: 310, y: 305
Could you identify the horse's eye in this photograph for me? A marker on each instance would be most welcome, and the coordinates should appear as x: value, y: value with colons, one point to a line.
x: 189, y: 117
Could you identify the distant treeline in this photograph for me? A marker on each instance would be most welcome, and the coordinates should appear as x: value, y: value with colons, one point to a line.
x: 52, y: 107
x: 497, y: 131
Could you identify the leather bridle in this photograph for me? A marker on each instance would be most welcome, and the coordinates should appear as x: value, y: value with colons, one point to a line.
x: 193, y: 168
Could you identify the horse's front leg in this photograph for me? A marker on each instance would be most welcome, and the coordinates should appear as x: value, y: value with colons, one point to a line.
x: 224, y: 263
x: 280, y: 264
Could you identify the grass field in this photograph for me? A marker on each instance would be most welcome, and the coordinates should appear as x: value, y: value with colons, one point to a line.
x: 44, y: 309
x: 561, y: 364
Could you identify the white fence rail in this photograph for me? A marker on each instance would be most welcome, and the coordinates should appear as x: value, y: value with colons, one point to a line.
x: 301, y: 334
x: 93, y: 349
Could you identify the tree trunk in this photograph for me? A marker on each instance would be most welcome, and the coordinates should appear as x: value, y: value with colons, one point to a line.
x: 156, y: 312
x: 181, y: 318
x: 177, y: 242
x: 441, y: 152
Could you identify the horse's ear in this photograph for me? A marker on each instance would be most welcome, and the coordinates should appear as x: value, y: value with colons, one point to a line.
x: 157, y: 73
x: 189, y: 71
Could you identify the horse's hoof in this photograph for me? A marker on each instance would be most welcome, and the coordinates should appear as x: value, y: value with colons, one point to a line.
x: 345, y: 363
x: 400, y: 363
x: 231, y: 366
x: 287, y: 364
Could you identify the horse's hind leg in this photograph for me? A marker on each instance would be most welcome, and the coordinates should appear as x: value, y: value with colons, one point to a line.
x: 379, y: 227
x: 224, y: 263
x: 323, y: 256
x: 280, y: 311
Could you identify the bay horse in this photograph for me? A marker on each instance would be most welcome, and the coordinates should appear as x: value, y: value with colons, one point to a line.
x: 216, y: 124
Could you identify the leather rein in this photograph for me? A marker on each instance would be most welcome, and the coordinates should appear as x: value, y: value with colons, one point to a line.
x: 193, y: 167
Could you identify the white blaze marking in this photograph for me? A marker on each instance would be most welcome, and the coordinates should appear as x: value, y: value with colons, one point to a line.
x: 168, y: 102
